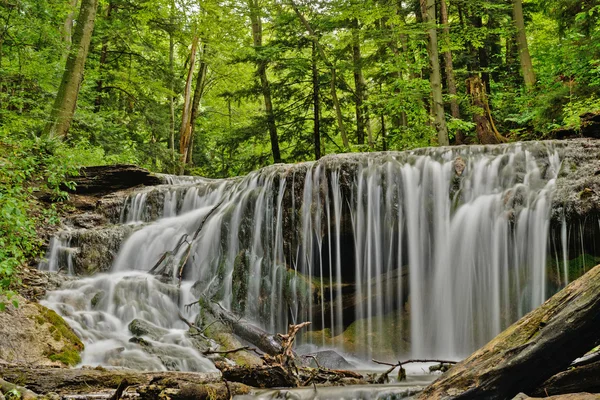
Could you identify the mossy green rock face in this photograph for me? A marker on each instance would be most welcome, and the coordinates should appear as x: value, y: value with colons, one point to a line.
x: 32, y: 333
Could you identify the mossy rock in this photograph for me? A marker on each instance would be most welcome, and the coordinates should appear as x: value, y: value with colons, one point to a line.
x: 61, y: 332
x: 36, y: 335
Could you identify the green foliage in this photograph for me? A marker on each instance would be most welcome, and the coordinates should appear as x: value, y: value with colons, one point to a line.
x: 30, y: 167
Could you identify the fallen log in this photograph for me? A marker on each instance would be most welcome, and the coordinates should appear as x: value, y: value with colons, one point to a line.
x: 538, y: 346
x: 574, y: 380
x: 244, y: 329
x: 102, y: 383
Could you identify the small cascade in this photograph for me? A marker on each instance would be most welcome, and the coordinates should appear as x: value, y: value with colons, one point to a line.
x: 101, y: 309
x: 60, y: 255
x: 427, y: 253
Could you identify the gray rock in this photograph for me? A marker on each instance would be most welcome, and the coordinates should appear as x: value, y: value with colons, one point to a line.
x: 328, y: 359
x: 139, y: 327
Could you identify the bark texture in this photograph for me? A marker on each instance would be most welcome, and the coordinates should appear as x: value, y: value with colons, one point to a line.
x: 261, y: 64
x: 539, y: 345
x: 185, y: 131
x: 524, y: 56
x: 68, y: 91
x: 450, y: 78
x: 428, y: 12
x: 148, y: 385
x: 484, y: 124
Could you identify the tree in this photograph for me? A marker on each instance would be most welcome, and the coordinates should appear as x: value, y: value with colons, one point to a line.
x: 66, y: 98
x: 450, y: 79
x: 524, y: 56
x: 185, y: 130
x: 428, y: 12
x: 261, y: 66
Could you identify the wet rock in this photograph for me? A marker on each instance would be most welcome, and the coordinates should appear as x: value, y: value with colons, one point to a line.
x: 590, y: 125
x: 110, y: 178
x: 327, y: 359
x: 32, y: 333
x: 140, y: 327
x: 88, y: 251
x: 564, y: 133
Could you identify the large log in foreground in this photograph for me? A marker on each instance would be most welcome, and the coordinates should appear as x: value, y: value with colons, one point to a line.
x: 101, y: 383
x: 538, y: 346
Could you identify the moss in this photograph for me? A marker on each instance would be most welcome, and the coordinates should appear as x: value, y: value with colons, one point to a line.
x: 61, y: 332
x: 67, y: 357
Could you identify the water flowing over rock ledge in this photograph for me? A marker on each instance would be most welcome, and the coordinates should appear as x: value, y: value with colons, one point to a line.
x: 352, y: 242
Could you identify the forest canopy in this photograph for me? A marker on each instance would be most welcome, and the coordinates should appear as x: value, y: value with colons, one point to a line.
x: 224, y: 87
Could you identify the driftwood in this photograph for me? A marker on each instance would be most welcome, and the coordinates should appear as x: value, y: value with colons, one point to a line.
x: 280, y: 367
x: 244, y: 329
x: 105, y: 383
x: 384, y: 377
x: 574, y: 380
x: 538, y: 346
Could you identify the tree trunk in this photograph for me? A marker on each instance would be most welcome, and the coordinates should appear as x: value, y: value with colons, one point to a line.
x: 68, y: 27
x: 359, y: 83
x: 244, y: 329
x: 146, y: 385
x: 66, y: 98
x: 450, y: 79
x: 172, y: 82
x: 538, y: 346
x: 524, y: 56
x: 316, y: 105
x: 428, y: 12
x: 103, y: 57
x: 198, y: 93
x: 185, y: 132
x: 485, y: 128
x: 333, y: 86
x: 257, y: 38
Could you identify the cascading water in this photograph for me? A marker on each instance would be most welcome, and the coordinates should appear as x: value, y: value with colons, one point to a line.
x: 427, y: 253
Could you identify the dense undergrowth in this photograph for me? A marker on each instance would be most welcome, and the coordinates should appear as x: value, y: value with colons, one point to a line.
x: 34, y: 177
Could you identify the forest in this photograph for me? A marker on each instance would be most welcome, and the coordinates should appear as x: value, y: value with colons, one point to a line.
x: 220, y: 88
x: 183, y: 181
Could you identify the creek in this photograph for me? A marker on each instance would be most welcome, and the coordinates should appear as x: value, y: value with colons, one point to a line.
x: 421, y: 254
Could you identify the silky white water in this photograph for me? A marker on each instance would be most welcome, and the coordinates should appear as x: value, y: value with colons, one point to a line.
x: 422, y: 254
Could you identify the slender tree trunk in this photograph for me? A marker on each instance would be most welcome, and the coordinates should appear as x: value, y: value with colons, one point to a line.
x: 333, y: 86
x: 316, y: 105
x: 66, y: 98
x: 257, y: 33
x: 198, y: 93
x: 359, y: 83
x: 524, y: 56
x: 186, y: 115
x: 172, y: 82
x: 67, y: 32
x: 450, y: 79
x: 428, y: 11
x: 103, y: 58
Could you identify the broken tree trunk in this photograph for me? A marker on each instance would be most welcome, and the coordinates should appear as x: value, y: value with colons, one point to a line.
x: 538, y: 346
x: 244, y: 329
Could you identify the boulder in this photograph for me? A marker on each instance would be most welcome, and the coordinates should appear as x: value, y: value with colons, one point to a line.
x: 140, y: 327
x: 327, y: 359
x: 34, y: 334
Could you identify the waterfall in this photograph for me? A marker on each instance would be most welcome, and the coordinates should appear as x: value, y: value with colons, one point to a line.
x: 427, y: 253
